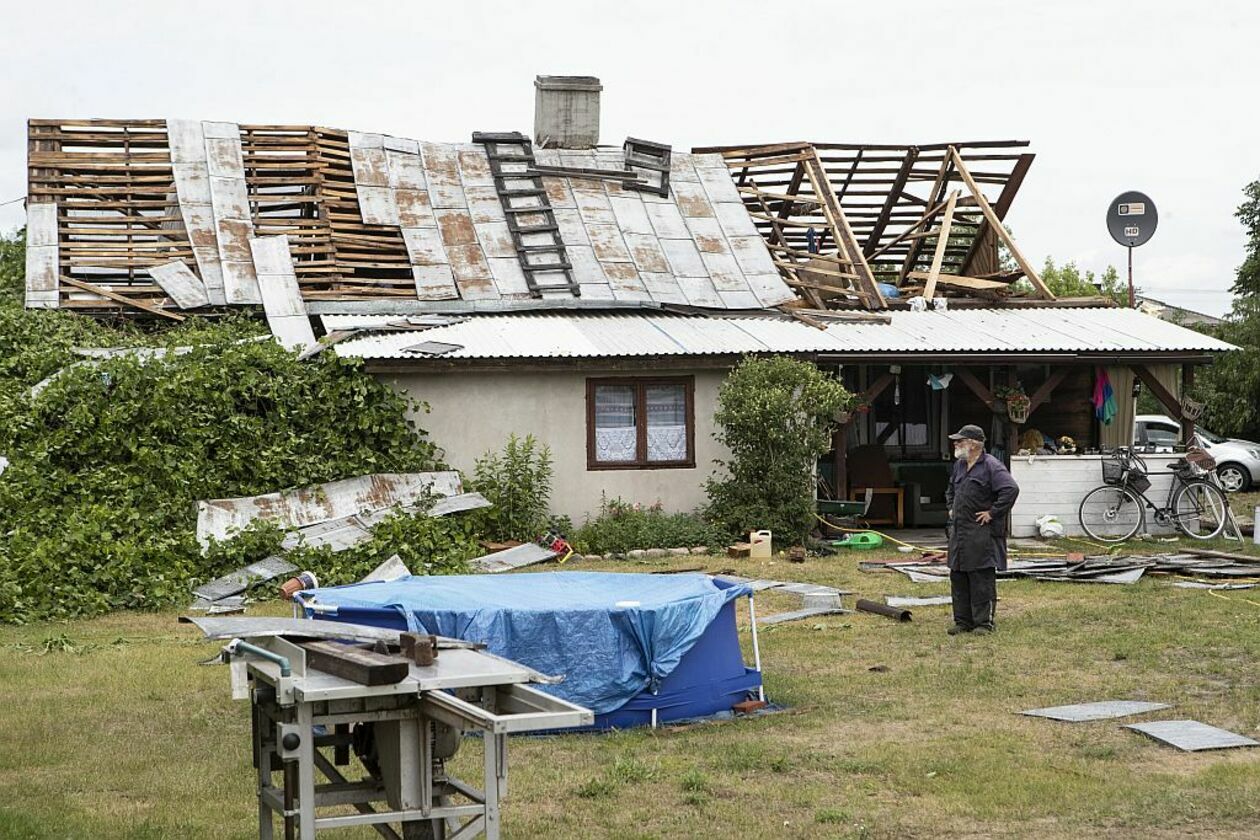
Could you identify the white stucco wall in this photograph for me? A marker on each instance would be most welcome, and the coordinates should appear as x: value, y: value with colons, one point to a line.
x: 472, y: 412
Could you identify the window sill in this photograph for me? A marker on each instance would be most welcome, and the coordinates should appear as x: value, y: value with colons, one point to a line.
x: 661, y: 465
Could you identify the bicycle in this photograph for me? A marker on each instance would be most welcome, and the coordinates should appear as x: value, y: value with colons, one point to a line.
x: 1116, y: 511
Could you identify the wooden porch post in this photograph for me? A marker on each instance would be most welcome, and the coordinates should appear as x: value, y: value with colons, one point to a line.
x: 1187, y: 382
x: 840, y: 460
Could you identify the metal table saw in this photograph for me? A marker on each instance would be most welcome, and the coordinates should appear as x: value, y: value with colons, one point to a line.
x: 315, y: 701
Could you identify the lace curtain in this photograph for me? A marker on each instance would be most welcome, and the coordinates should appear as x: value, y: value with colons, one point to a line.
x: 666, y: 422
x: 616, y: 423
x: 616, y: 438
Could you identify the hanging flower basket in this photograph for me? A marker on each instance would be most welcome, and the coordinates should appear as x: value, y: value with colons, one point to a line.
x: 1191, y: 409
x: 1017, y: 409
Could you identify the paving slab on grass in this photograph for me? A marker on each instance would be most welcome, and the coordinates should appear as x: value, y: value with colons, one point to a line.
x: 1192, y: 736
x: 1101, y: 710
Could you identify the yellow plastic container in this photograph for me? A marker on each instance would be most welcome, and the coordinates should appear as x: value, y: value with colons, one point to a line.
x: 760, y: 543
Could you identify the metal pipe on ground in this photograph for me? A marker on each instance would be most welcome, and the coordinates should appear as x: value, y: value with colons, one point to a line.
x: 896, y: 613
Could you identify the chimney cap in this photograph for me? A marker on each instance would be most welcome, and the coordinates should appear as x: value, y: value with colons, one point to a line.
x: 567, y: 83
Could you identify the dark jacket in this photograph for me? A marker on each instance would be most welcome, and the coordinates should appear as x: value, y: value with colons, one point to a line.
x: 988, y: 485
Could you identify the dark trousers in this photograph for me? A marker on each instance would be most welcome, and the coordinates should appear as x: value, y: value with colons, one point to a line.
x: 975, y: 597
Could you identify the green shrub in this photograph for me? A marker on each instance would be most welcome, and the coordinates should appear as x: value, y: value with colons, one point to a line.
x: 775, y: 415
x: 621, y: 527
x: 97, y: 507
x: 517, y: 481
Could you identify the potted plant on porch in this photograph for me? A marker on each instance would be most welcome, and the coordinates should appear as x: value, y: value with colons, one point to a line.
x: 1017, y: 402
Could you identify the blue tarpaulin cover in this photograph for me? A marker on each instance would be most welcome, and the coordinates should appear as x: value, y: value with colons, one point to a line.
x: 611, y: 635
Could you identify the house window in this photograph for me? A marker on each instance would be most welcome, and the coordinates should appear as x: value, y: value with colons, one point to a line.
x: 634, y: 423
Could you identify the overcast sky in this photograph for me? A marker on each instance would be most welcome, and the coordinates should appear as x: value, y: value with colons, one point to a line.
x: 1153, y: 96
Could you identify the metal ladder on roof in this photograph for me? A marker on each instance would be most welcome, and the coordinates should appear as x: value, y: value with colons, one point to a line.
x: 530, y: 217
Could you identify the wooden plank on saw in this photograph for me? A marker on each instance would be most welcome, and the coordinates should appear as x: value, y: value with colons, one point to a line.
x: 356, y: 664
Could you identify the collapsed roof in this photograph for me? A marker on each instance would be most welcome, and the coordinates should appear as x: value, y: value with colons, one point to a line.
x: 167, y: 215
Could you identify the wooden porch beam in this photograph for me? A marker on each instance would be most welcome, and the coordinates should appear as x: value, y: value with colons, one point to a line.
x: 1187, y: 383
x: 878, y: 387
x: 1166, y: 399
x: 1047, y: 388
x: 975, y: 386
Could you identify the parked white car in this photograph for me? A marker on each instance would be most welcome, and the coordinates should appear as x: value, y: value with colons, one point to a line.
x: 1237, y: 461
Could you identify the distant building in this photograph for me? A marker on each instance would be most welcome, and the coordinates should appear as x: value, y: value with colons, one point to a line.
x: 1176, y: 314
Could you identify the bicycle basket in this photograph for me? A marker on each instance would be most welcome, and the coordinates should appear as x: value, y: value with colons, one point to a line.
x: 1201, y: 461
x: 1113, y: 470
x: 1137, y: 481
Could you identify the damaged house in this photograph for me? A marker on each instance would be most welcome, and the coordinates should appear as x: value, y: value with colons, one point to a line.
x: 596, y: 296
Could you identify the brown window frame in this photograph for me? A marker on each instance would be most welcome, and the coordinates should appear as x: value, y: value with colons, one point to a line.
x: 641, y: 384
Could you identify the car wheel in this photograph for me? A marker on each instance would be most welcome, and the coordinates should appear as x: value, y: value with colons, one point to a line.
x: 1233, y: 477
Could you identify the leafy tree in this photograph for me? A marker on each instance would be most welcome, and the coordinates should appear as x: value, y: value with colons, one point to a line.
x: 1068, y: 281
x: 1247, y: 281
x: 775, y: 415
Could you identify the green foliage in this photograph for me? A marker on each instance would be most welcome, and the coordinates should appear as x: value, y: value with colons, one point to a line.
x: 427, y: 545
x: 775, y: 415
x: 98, y: 504
x: 1230, y: 387
x: 13, y: 268
x: 622, y: 526
x: 517, y: 481
x: 1067, y: 281
x: 1247, y: 281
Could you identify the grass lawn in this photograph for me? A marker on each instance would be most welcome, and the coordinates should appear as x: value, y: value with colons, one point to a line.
x: 109, y: 728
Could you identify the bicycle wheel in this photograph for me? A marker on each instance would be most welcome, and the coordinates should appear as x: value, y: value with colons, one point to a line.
x: 1199, y: 510
x: 1111, y: 514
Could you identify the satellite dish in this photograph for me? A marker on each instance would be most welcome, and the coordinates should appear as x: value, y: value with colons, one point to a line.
x: 1131, y: 219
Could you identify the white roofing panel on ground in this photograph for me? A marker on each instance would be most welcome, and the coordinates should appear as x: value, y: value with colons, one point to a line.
x: 1043, y: 330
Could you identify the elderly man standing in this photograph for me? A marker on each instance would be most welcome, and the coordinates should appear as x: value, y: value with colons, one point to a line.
x: 981, y: 492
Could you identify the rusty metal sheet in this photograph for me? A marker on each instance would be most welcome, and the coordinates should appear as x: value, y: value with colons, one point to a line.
x: 484, y: 205
x: 508, y: 276
x: 734, y: 219
x: 434, y: 282
x: 699, y: 291
x: 224, y: 157
x: 472, y: 272
x: 456, y: 227
x: 178, y: 281
x: 594, y: 207
x: 692, y: 200
x: 559, y: 194
x: 631, y: 214
x: 424, y: 246
x: 496, y: 240
x: 667, y: 221
x: 625, y: 281
x: 718, y: 184
x: 684, y: 258
x: 377, y: 205
x: 254, y: 627
x: 607, y: 242
x: 474, y: 167
x: 406, y: 171
x: 349, y: 531
x: 752, y: 255
x: 243, y: 578
x: 292, y: 509
x: 646, y: 252
x: 769, y: 289
x: 681, y: 168
x: 708, y: 237
x: 43, y: 273
x: 363, y: 140
x: 281, y: 297
x: 572, y: 230
x: 662, y: 287
x: 233, y: 222
x: 725, y: 273
x: 414, y: 209
x: 371, y: 167
x: 186, y: 140
x: 586, y: 268
x: 400, y: 144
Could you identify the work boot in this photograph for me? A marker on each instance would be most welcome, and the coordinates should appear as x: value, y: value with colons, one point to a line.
x: 958, y: 628
x: 982, y: 631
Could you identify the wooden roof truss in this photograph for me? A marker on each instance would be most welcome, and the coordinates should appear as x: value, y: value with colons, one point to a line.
x: 841, y: 218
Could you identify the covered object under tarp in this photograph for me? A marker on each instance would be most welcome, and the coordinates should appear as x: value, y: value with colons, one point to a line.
x: 634, y: 648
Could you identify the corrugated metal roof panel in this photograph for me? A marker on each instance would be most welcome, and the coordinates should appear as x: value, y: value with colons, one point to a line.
x: 1044, y: 330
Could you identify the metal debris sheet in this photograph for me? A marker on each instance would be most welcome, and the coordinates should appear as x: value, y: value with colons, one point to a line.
x: 526, y: 554
x: 912, y: 601
x: 243, y: 578
x: 1193, y: 736
x: 1101, y: 710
